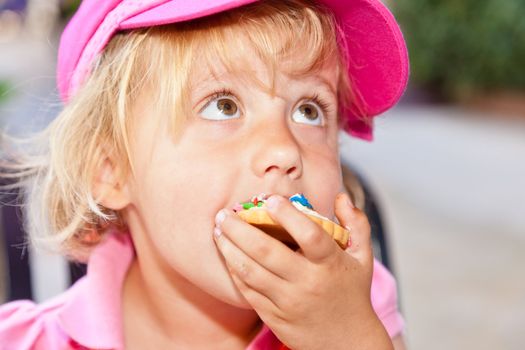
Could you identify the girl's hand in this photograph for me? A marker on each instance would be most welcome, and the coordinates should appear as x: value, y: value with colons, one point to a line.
x: 316, y: 298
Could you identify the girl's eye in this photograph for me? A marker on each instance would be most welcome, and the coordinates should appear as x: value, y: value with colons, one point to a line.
x: 308, y: 113
x: 220, y: 108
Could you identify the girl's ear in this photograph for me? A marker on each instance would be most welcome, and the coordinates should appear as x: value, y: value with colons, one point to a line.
x: 109, y: 186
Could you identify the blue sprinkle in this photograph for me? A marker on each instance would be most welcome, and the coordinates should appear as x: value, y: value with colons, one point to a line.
x: 301, y: 199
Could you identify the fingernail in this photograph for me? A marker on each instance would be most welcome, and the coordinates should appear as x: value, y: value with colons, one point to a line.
x: 217, y: 232
x: 273, y: 202
x: 219, y: 218
x: 349, y: 244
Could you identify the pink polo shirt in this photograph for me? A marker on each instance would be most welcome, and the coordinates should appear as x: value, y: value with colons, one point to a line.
x: 88, y: 315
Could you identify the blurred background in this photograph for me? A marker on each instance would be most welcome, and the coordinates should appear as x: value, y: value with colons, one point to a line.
x: 447, y: 164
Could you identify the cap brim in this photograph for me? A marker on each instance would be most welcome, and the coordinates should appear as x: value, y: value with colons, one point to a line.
x: 378, y: 60
x: 180, y: 10
x: 376, y: 51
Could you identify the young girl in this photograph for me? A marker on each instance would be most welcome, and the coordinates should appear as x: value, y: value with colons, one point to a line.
x: 174, y: 112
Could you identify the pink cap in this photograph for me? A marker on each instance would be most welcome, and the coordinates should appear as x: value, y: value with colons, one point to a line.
x: 378, y: 64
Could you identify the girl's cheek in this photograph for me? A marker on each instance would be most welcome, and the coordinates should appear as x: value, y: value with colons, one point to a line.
x: 216, y: 133
x: 325, y: 137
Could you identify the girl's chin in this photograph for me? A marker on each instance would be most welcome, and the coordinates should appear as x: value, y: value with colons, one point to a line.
x: 242, y: 304
x: 238, y: 300
x: 232, y: 296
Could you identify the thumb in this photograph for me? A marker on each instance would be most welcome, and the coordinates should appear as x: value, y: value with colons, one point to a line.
x: 356, y: 221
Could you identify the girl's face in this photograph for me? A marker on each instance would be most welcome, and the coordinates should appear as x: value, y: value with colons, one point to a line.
x: 239, y: 141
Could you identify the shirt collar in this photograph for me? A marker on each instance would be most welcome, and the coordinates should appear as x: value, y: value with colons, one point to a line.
x: 92, y: 314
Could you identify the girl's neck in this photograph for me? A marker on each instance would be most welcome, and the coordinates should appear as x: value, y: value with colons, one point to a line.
x: 160, y: 314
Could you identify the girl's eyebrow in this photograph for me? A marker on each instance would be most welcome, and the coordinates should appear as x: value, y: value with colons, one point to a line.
x: 315, y: 78
x: 201, y: 83
x: 320, y: 83
x: 327, y: 84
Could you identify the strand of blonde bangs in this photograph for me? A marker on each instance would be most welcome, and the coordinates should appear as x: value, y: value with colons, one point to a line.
x: 173, y: 97
x: 122, y: 99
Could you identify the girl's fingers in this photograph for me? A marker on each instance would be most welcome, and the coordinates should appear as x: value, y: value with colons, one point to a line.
x: 267, y: 251
x: 246, y: 269
x: 354, y: 220
x: 315, y: 244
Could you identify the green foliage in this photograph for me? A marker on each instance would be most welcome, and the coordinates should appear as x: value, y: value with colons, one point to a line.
x: 4, y: 90
x: 461, y: 47
x: 68, y: 7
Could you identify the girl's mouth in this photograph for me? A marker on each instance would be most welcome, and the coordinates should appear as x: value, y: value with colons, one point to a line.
x: 254, y: 212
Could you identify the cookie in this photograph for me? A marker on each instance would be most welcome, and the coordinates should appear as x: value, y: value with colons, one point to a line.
x: 254, y: 213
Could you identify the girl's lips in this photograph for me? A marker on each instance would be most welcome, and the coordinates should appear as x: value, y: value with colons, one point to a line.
x: 255, y: 201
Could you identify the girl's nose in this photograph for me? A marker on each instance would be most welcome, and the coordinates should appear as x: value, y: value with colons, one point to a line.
x: 277, y: 152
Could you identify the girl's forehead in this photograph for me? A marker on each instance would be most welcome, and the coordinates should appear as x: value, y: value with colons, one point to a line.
x: 252, y: 71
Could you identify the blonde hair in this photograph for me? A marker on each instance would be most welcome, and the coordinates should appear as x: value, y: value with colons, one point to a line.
x: 61, y: 211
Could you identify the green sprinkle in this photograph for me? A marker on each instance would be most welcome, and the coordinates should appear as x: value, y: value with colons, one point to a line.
x: 248, y: 205
x: 260, y: 204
